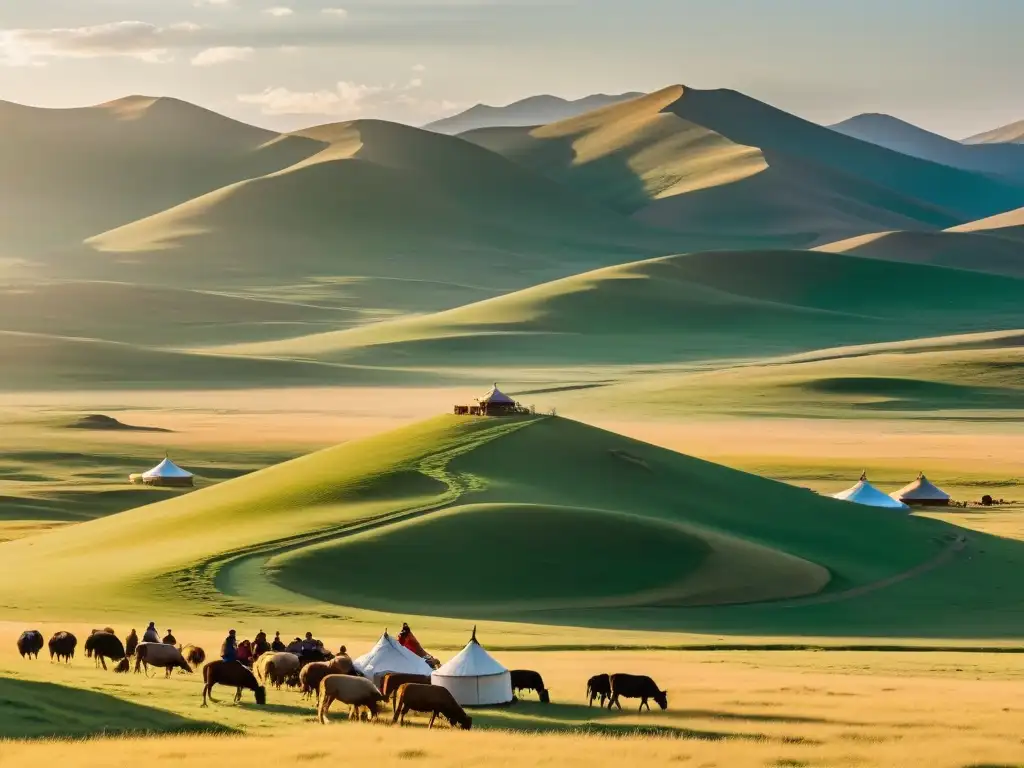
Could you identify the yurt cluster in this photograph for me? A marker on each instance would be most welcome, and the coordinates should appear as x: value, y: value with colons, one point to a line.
x: 920, y: 493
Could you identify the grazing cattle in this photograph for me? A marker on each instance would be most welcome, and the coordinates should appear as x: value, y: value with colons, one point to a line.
x: 233, y: 675
x: 311, y: 674
x: 62, y: 647
x: 357, y: 692
x: 277, y: 669
x: 193, y: 654
x: 528, y: 680
x: 105, y: 645
x: 598, y: 686
x: 416, y: 697
x: 314, y: 655
x: 131, y: 643
x: 395, y: 680
x: 30, y: 643
x: 636, y: 687
x: 159, y: 655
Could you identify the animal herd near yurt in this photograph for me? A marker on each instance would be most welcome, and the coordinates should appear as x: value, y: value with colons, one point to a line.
x: 474, y: 677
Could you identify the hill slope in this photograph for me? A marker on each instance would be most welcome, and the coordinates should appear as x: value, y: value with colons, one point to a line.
x: 475, y: 488
x: 383, y: 201
x: 535, y: 110
x: 1007, y: 134
x: 720, y: 161
x: 692, y: 307
x: 66, y: 174
x: 900, y: 136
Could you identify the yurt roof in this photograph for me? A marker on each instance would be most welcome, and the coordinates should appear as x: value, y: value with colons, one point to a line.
x: 471, y: 661
x: 921, y: 490
x: 865, y: 493
x: 496, y: 396
x: 388, y: 655
x: 167, y: 468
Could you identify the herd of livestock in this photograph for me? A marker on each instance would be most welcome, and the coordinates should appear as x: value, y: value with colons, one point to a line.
x: 318, y: 673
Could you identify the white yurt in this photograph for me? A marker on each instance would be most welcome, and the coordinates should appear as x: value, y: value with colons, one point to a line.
x: 475, y: 678
x: 865, y: 493
x: 166, y: 473
x: 388, y: 655
x: 922, y: 492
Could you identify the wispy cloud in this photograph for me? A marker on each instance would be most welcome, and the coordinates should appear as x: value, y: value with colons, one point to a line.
x: 345, y: 101
x: 280, y: 11
x: 222, y: 55
x: 134, y: 39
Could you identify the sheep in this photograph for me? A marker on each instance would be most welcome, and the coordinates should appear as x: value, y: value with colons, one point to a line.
x: 104, y: 645
x: 357, y: 692
x: 277, y: 669
x: 233, y: 674
x: 311, y: 674
x: 62, y: 646
x: 30, y: 643
x: 434, y: 699
x: 159, y: 655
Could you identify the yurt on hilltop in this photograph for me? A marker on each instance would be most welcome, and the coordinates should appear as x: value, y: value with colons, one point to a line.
x: 475, y: 678
x: 865, y: 493
x: 166, y: 474
x: 388, y: 655
x: 922, y: 493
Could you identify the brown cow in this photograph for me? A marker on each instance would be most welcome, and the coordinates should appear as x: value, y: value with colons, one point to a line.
x: 312, y: 674
x: 234, y: 675
x: 434, y: 699
x: 395, y: 680
x: 159, y: 655
x: 357, y: 692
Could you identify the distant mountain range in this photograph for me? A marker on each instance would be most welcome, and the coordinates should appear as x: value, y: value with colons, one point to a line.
x: 535, y: 110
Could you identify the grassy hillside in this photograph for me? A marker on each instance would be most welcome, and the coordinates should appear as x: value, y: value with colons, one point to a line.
x: 900, y: 136
x: 535, y: 110
x: 692, y: 307
x: 643, y: 159
x: 969, y: 247
x: 511, y: 492
x: 968, y: 375
x: 1007, y: 134
x: 156, y: 315
x: 386, y: 202
x: 66, y: 174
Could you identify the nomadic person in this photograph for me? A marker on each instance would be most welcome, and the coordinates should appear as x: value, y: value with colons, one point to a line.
x: 169, y: 639
x: 295, y: 646
x: 407, y: 639
x: 229, y: 648
x: 243, y: 654
x: 260, y: 645
x: 278, y: 645
x: 131, y: 643
x: 309, y: 644
x: 151, y: 635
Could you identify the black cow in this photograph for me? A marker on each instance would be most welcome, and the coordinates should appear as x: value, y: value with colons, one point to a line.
x: 598, y: 686
x: 528, y: 680
x: 62, y: 647
x: 30, y: 643
x: 104, y: 645
x: 636, y: 687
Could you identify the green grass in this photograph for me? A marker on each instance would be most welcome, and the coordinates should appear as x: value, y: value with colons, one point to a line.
x: 277, y: 543
x: 702, y: 306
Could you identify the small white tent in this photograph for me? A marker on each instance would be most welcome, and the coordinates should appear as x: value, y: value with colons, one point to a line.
x: 388, y: 655
x: 166, y: 473
x: 865, y: 493
x: 475, y: 678
x: 922, y: 492
x: 496, y: 397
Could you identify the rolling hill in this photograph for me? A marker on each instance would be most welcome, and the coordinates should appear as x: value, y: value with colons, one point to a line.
x: 1007, y: 134
x: 535, y: 110
x: 698, y: 545
x: 702, y: 306
x: 407, y: 208
x: 66, y: 174
x: 886, y: 131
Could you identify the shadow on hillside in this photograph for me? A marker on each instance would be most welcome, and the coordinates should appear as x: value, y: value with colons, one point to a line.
x: 31, y: 710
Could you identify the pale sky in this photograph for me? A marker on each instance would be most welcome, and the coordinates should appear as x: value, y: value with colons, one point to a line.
x: 952, y: 66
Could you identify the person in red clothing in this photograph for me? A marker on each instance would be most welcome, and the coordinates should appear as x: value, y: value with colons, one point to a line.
x: 408, y: 640
x: 244, y: 653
